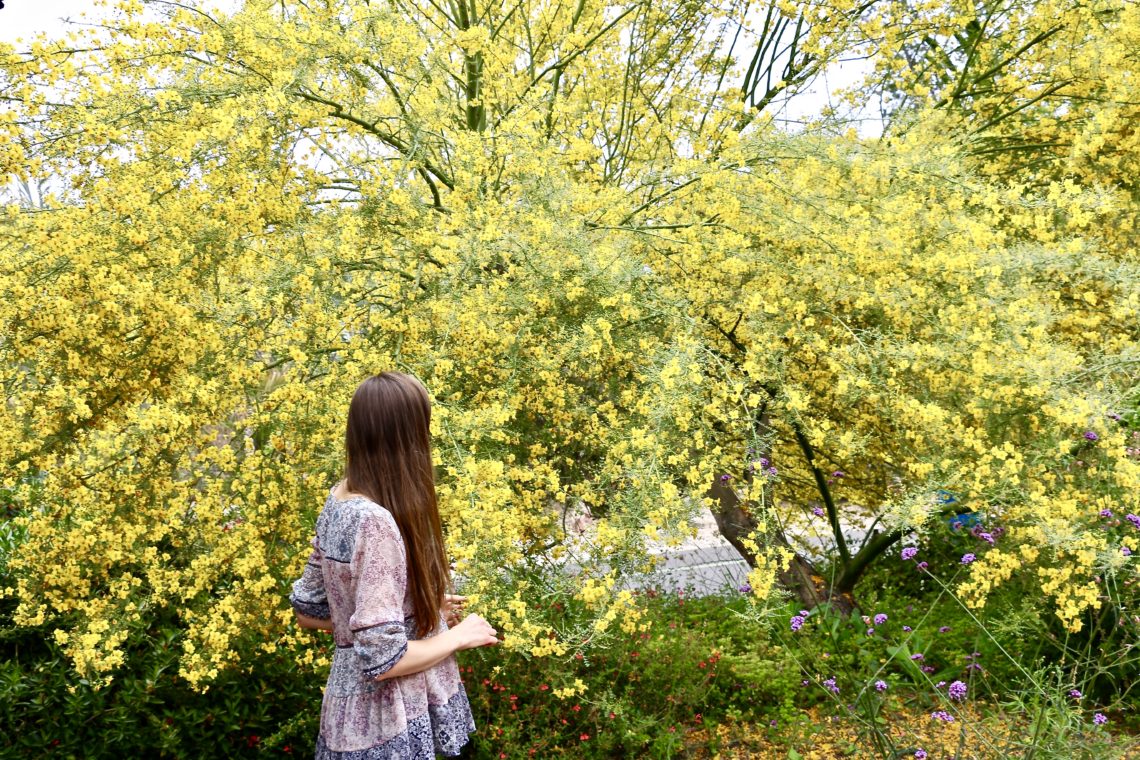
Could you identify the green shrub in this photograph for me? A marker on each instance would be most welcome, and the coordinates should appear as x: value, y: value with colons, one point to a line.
x: 698, y: 663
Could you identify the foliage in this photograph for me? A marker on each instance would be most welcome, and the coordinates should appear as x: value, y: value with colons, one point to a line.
x: 147, y: 712
x: 925, y: 651
x: 616, y: 286
x: 697, y: 662
x: 1034, y: 92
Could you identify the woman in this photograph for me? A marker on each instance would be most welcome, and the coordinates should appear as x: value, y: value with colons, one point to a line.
x: 377, y: 578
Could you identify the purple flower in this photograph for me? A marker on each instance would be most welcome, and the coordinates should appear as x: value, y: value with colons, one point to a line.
x: 940, y: 684
x: 944, y: 629
x: 880, y: 619
x: 829, y: 684
x: 817, y: 511
x: 770, y: 471
x: 1125, y: 551
x: 838, y: 474
x: 1100, y: 719
x: 922, y: 566
x: 957, y: 690
x: 920, y: 754
x: 927, y: 668
x: 917, y: 656
x: 1133, y: 519
x: 744, y: 588
x: 967, y: 558
x: 797, y: 622
x: 942, y: 715
x: 1075, y: 693
x: 1106, y: 513
x: 987, y: 537
x: 907, y: 629
x: 880, y: 685
x: 1091, y: 436
x: 804, y: 682
x: 870, y: 631
x: 725, y: 478
x: 909, y: 552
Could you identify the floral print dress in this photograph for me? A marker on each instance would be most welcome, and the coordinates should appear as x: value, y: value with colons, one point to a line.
x: 357, y: 577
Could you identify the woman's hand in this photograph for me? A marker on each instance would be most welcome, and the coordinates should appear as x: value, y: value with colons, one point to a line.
x: 473, y: 632
x: 452, y: 606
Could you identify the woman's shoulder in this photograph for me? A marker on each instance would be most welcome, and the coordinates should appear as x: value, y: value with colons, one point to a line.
x: 358, y: 505
x: 341, y: 520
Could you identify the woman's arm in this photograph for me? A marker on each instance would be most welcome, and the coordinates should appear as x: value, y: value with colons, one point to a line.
x: 474, y: 631
x: 308, y: 598
x: 421, y: 655
x: 316, y: 624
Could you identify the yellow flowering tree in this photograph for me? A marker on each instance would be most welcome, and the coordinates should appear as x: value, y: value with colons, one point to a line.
x: 938, y: 335
x: 252, y: 212
x: 613, y: 278
x: 1034, y: 92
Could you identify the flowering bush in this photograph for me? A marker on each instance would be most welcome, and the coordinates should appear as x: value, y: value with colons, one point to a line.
x: 695, y: 664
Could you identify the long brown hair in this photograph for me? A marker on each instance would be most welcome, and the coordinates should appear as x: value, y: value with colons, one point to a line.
x: 388, y: 459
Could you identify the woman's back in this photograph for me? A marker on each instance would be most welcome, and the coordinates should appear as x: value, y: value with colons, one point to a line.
x: 357, y: 576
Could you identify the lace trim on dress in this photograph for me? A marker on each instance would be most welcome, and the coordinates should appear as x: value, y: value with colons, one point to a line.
x: 384, y: 667
x: 318, y: 610
x: 442, y: 729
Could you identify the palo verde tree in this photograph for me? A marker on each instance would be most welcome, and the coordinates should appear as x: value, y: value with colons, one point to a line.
x: 1034, y: 93
x: 612, y: 275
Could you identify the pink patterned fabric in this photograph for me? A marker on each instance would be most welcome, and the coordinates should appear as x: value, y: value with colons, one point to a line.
x: 357, y: 577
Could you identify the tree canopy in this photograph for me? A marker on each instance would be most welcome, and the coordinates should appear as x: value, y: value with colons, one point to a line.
x: 623, y: 284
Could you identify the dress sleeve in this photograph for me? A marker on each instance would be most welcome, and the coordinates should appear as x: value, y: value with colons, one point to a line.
x: 308, y: 595
x: 380, y: 569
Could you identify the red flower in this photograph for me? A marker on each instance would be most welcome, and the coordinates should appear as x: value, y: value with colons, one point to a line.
x: 584, y: 737
x: 543, y: 687
x: 576, y: 708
